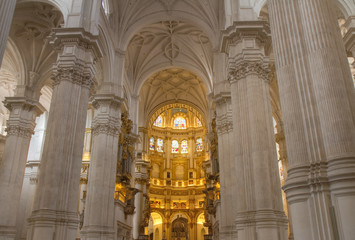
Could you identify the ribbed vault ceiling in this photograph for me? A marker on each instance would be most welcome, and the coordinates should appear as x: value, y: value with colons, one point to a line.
x: 173, y: 85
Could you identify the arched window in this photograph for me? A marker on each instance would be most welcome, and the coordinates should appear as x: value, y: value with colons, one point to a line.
x: 174, y: 146
x: 151, y: 144
x: 184, y: 146
x: 159, y: 121
x: 179, y: 123
x: 199, y: 145
x: 160, y: 143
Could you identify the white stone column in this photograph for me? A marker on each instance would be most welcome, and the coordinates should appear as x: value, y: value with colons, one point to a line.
x: 99, y: 216
x: 30, y: 177
x: 140, y: 183
x: 226, y: 156
x: 317, y: 100
x: 259, y: 203
x: 55, y: 213
x: 7, y: 9
x: 20, y: 127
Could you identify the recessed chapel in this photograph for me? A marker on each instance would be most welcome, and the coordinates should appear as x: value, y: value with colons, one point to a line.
x: 177, y: 120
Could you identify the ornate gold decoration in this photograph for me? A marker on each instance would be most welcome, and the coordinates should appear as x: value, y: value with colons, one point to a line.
x: 146, y: 214
x: 125, y: 150
x: 130, y: 196
x: 83, y: 181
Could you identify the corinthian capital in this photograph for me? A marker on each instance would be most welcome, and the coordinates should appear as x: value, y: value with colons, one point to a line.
x: 245, y: 68
x: 23, y: 112
x: 78, y: 52
x: 107, y: 114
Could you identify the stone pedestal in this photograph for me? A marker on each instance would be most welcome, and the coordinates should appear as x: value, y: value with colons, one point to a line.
x: 55, y: 213
x: 99, y: 208
x: 20, y: 127
x: 259, y: 203
x: 317, y: 100
x: 7, y: 9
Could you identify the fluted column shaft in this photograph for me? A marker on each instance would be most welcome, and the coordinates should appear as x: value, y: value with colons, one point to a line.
x: 259, y: 203
x: 99, y: 208
x: 55, y: 213
x: 317, y: 99
x: 7, y: 9
x: 20, y: 127
x: 226, y: 156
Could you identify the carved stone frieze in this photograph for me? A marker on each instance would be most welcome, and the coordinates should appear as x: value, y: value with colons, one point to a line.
x: 110, y: 128
x: 76, y: 74
x: 224, y: 125
x: 246, y: 68
x: 22, y: 117
x: 20, y: 131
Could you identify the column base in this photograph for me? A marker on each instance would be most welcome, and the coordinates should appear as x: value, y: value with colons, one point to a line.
x: 51, y: 224
x: 97, y: 233
x: 7, y: 233
x: 262, y: 225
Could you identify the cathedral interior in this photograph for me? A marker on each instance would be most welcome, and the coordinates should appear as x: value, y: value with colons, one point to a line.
x: 177, y: 120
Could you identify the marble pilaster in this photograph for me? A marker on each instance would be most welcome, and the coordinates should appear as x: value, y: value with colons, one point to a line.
x: 259, y: 203
x: 317, y: 100
x: 20, y: 127
x: 54, y: 214
x: 7, y: 9
x: 99, y: 208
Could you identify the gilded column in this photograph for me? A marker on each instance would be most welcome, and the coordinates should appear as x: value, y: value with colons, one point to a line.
x: 7, y: 9
x: 20, y: 127
x: 54, y: 214
x: 259, y: 207
x: 227, y: 168
x: 317, y: 100
x: 99, y: 207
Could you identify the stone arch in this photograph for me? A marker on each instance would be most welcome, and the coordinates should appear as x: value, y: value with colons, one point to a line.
x: 59, y: 4
x: 158, y: 110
